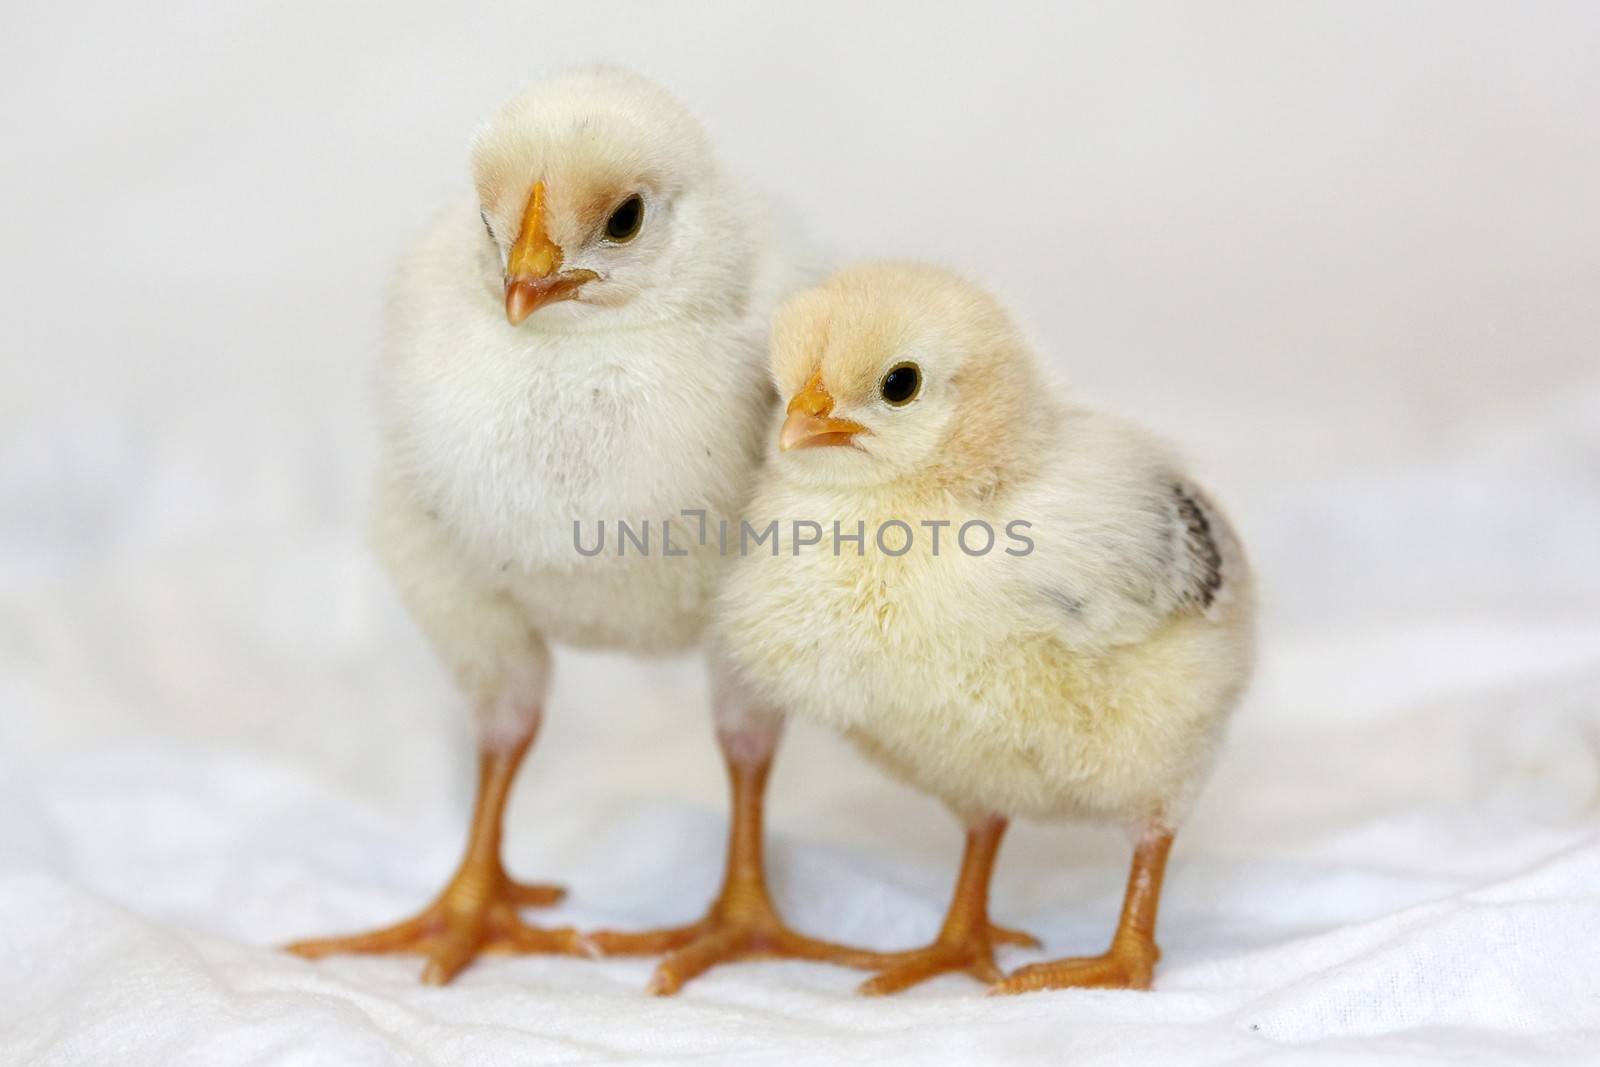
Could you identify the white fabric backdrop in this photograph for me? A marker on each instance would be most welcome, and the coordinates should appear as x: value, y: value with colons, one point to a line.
x: 1347, y: 256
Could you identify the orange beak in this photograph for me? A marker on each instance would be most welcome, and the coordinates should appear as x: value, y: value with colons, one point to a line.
x: 534, y: 276
x: 809, y: 425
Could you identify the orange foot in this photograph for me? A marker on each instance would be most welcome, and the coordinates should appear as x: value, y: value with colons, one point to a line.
x: 476, y: 913
x: 1123, y: 966
x: 741, y: 925
x: 969, y: 951
x: 1132, y: 957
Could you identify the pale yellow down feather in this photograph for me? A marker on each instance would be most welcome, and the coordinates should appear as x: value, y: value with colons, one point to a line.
x: 1092, y: 676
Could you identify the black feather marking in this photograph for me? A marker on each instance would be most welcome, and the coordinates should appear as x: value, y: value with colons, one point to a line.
x: 1071, y: 605
x: 1204, y: 558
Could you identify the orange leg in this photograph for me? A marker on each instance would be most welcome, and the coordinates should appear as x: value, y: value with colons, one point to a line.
x: 477, y: 910
x: 1128, y: 963
x: 967, y: 939
x: 742, y: 923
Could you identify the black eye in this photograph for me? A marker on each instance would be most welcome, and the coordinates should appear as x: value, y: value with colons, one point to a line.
x: 624, y: 223
x: 484, y: 215
x: 900, y: 386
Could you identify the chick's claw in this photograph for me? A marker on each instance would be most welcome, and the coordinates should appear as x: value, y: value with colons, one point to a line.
x: 698, y: 956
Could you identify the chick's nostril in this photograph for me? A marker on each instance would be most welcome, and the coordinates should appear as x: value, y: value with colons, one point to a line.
x: 811, y: 404
x: 813, y: 400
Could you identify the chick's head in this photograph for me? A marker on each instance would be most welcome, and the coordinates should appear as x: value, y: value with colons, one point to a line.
x: 600, y: 200
x: 900, y: 370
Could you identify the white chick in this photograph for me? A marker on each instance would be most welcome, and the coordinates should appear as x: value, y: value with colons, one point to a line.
x: 1071, y: 648
x: 554, y: 344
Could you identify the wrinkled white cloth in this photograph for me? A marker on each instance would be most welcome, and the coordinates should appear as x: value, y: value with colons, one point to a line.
x: 1347, y: 259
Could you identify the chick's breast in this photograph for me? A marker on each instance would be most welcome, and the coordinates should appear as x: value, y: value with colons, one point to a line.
x: 524, y: 442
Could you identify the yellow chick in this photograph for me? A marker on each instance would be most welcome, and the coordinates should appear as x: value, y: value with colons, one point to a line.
x: 1017, y: 604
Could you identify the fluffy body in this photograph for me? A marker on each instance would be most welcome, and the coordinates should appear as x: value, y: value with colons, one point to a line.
x: 578, y: 346
x: 1091, y: 676
x: 642, y: 397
